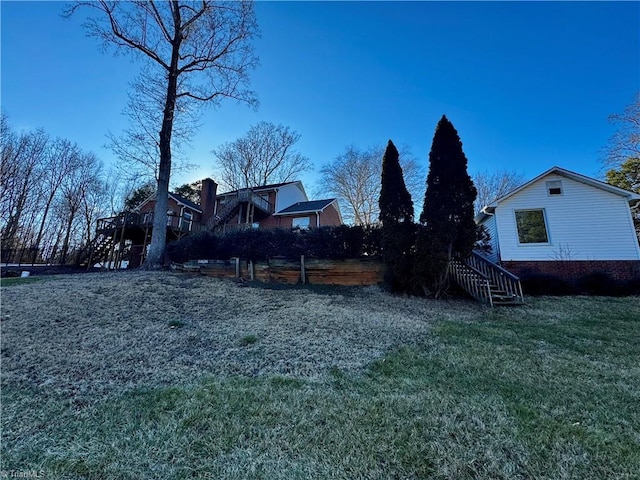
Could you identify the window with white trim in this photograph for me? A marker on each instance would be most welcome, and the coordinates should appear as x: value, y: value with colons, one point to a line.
x: 532, y: 226
x: 300, y: 222
x: 186, y: 221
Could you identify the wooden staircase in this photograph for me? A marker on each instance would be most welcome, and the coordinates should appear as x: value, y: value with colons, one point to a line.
x: 229, y: 208
x: 486, y: 282
x: 222, y: 215
x: 98, y: 250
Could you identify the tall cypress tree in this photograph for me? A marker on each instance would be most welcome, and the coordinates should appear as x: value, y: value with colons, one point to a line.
x: 396, y: 215
x: 395, y: 201
x: 447, y: 226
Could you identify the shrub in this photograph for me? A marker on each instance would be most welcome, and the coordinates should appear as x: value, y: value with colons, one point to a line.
x: 325, y: 242
x: 631, y: 287
x: 539, y: 284
x: 598, y: 283
x: 193, y: 247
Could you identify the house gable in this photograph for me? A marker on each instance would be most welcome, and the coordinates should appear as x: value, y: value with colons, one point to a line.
x: 289, y: 194
x: 584, y: 220
x: 176, y: 203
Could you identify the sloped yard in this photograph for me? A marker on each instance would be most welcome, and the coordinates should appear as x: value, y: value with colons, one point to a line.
x: 157, y: 375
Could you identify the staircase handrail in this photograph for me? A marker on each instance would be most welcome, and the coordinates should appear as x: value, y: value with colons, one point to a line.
x: 495, y: 266
x: 220, y: 215
x: 476, y: 271
x: 472, y: 280
x: 261, y: 202
x: 501, y: 278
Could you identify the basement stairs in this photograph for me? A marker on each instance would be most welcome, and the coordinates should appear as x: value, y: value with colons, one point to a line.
x: 486, y: 282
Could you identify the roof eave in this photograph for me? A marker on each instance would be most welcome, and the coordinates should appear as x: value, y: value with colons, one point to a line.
x: 316, y: 210
x: 630, y: 196
x: 179, y: 202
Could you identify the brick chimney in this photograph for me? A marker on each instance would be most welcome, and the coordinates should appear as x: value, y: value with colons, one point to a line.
x: 208, y: 198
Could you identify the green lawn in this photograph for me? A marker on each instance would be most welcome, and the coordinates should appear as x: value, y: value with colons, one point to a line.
x: 550, y: 390
x: 10, y: 281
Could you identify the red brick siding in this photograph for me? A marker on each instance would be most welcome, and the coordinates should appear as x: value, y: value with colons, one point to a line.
x: 621, y: 270
x: 330, y: 217
x: 275, y: 222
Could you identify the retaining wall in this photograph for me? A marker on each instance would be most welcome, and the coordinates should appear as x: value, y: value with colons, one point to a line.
x: 368, y: 271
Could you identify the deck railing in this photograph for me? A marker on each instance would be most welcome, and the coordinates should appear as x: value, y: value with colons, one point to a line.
x: 232, y: 201
x: 247, y: 195
x: 128, y: 219
x: 473, y: 281
x: 232, y: 227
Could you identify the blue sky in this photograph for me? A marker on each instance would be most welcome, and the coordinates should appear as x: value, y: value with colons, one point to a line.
x: 527, y: 85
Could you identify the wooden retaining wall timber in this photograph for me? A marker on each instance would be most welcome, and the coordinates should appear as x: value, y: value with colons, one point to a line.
x: 368, y: 271
x: 344, y: 272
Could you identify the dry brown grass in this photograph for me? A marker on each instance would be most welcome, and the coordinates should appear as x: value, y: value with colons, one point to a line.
x: 135, y: 375
x: 93, y: 334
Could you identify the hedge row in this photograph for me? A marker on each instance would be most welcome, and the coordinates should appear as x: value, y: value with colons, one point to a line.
x: 324, y: 242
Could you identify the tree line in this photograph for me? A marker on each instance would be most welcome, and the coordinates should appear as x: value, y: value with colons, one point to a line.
x: 52, y: 192
x: 192, y: 55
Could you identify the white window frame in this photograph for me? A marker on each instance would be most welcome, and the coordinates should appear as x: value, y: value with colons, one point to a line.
x: 544, y: 219
x: 186, y: 219
x: 299, y: 222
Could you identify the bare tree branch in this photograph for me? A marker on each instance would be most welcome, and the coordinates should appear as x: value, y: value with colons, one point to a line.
x: 264, y: 155
x: 493, y: 185
x: 625, y: 142
x: 355, y: 178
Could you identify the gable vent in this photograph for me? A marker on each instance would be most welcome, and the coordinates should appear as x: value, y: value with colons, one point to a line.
x: 554, y: 187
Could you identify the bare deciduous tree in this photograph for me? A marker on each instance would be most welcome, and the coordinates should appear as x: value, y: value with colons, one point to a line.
x: 354, y: 178
x: 22, y: 158
x: 138, y: 147
x: 493, y: 185
x: 263, y: 155
x: 79, y: 186
x: 625, y: 142
x: 37, y: 177
x: 62, y: 159
x: 195, y: 52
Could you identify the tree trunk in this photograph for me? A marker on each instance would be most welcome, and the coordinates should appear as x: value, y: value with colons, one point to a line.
x: 65, y: 244
x: 155, y: 258
x: 45, y: 213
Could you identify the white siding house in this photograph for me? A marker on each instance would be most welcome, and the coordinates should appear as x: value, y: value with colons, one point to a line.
x: 563, y: 216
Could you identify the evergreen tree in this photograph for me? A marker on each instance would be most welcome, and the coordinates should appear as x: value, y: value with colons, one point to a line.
x: 396, y: 215
x: 395, y: 201
x: 447, y: 226
x: 190, y: 191
x: 139, y: 195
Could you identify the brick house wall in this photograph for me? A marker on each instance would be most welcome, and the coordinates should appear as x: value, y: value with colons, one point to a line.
x: 620, y: 270
x: 330, y: 216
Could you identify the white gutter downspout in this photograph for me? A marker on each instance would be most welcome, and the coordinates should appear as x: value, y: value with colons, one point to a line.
x: 317, y: 219
x: 485, y: 210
